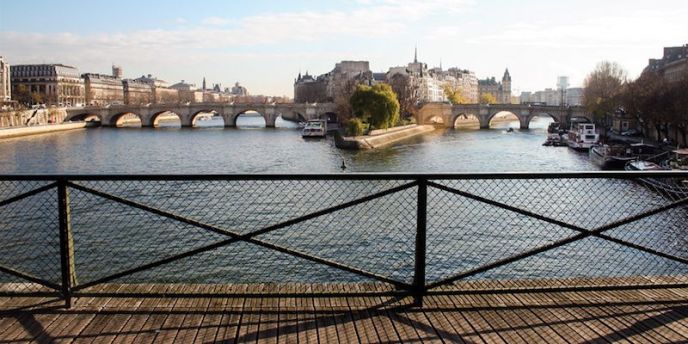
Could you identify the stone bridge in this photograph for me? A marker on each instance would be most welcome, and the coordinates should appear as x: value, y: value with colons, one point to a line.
x: 434, y: 113
x: 109, y: 115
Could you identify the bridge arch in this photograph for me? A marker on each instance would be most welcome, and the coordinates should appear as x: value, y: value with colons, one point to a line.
x: 464, y: 120
x: 236, y: 116
x: 506, y: 114
x: 545, y: 114
x: 86, y: 117
x: 167, y: 116
x: 126, y: 120
x: 215, y: 115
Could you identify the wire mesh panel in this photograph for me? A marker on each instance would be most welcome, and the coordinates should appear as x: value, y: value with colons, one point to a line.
x: 555, y: 232
x: 480, y: 231
x: 29, y: 237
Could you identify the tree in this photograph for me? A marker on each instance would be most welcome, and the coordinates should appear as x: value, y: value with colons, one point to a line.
x: 377, y: 105
x: 407, y: 94
x: 342, y: 99
x: 601, y: 90
x: 487, y: 98
x: 22, y: 94
x: 454, y: 95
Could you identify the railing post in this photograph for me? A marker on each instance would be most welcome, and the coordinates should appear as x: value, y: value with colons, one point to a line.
x: 421, y: 235
x: 66, y: 242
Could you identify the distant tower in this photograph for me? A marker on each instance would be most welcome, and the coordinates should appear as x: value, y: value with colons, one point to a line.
x: 415, y: 54
x: 116, y: 71
x: 506, y: 87
x: 204, y: 84
x: 562, y: 86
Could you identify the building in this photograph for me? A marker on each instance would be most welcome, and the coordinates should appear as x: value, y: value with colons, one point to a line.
x: 103, y: 89
x: 117, y: 72
x: 136, y: 93
x: 571, y: 96
x: 327, y: 87
x: 673, y: 65
x: 237, y: 90
x: 501, y: 91
x: 188, y: 92
x: 5, y: 90
x: 574, y: 96
x: 162, y: 94
x: 52, y: 84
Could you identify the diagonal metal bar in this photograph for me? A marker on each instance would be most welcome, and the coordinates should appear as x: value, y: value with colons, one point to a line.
x: 245, y: 237
x: 555, y: 244
x: 507, y: 207
x: 27, y: 194
x: 556, y: 222
x: 222, y: 231
x: 28, y: 277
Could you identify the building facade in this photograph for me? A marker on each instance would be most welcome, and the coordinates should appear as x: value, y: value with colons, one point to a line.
x: 103, y: 89
x: 501, y: 91
x: 5, y: 89
x: 327, y: 87
x: 52, y: 84
x: 673, y: 65
x: 136, y: 93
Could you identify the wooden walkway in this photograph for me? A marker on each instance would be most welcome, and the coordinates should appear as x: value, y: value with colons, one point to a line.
x: 626, y: 316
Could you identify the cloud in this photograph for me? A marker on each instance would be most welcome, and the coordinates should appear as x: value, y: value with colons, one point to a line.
x: 216, y: 21
x: 180, y: 20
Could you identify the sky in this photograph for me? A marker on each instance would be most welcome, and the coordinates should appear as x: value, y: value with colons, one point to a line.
x: 265, y: 44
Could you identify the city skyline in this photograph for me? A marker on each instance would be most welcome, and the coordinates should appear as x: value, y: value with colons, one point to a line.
x: 264, y: 45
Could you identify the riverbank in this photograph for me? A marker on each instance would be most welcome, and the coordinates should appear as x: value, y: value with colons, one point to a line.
x: 382, y: 138
x: 40, y: 129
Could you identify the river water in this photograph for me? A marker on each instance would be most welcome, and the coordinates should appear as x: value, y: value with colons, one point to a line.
x: 251, y: 148
x: 377, y: 236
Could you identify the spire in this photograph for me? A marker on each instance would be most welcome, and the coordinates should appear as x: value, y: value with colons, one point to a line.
x: 415, y: 54
x: 440, y: 63
x: 204, y: 84
x: 507, y: 76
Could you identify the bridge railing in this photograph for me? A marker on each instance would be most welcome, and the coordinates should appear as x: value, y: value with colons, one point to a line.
x: 417, y: 234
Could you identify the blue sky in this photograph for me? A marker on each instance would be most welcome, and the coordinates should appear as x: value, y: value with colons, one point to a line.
x: 264, y: 44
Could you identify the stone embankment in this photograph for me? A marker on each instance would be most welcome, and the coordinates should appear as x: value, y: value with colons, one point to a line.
x: 382, y: 138
x: 7, y: 133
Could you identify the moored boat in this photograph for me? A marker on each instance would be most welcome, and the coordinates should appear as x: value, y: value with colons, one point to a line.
x: 315, y: 128
x: 583, y: 136
x: 675, y: 188
x: 615, y: 156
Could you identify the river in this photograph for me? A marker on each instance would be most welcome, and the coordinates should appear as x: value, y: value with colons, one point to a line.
x: 251, y: 148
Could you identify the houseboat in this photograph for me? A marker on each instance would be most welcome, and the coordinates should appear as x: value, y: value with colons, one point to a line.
x: 315, y: 128
x: 583, y: 136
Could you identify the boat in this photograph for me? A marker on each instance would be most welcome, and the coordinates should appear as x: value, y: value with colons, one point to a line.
x: 678, y: 162
x: 615, y: 156
x: 583, y: 137
x: 674, y: 188
x: 315, y: 128
x: 554, y: 140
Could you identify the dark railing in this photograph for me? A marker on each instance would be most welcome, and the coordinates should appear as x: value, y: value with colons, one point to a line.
x: 414, y: 232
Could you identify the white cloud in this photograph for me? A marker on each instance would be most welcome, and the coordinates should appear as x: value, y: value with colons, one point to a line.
x: 216, y: 21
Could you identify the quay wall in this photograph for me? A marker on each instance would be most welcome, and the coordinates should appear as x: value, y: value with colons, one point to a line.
x: 382, y: 138
x: 40, y: 129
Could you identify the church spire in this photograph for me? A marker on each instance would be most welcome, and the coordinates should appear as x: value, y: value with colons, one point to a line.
x: 415, y: 54
x: 204, y: 88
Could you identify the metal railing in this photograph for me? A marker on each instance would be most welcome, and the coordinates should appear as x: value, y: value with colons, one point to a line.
x: 72, y: 235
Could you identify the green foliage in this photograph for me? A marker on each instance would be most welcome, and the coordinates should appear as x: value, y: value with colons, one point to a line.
x: 454, y: 95
x: 487, y: 98
x: 354, y: 127
x: 376, y: 105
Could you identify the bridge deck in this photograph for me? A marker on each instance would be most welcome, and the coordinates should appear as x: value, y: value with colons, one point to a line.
x: 635, y: 316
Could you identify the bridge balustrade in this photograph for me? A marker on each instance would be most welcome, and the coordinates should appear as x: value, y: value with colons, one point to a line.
x: 71, y: 236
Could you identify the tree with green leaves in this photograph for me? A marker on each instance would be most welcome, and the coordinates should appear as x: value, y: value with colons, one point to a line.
x: 407, y: 94
x: 377, y: 105
x: 487, y: 98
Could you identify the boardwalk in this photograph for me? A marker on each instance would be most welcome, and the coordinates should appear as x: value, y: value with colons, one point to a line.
x: 627, y: 316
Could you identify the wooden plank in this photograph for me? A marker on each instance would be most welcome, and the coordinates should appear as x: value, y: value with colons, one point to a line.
x: 212, y: 320
x: 137, y: 320
x: 365, y: 328
x: 269, y: 319
x: 228, y: 331
x: 194, y: 316
x: 250, y: 319
x: 161, y: 319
